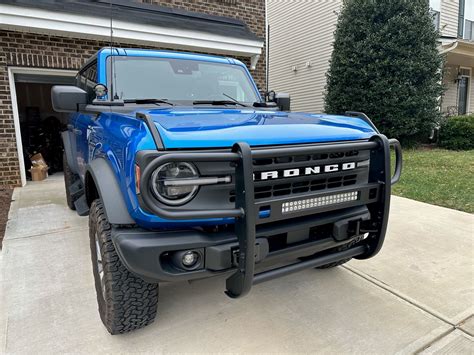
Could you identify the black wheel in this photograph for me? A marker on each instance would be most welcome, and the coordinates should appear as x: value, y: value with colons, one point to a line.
x: 125, y: 301
x: 69, y: 179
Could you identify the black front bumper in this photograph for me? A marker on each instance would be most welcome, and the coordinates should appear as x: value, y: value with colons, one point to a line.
x: 147, y: 253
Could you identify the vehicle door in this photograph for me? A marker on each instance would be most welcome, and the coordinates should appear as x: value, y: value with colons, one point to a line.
x: 85, y: 123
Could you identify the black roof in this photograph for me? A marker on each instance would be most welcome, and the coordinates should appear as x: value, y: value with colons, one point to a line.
x: 131, y: 11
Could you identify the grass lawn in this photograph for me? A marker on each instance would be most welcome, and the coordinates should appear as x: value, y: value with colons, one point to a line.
x: 440, y: 177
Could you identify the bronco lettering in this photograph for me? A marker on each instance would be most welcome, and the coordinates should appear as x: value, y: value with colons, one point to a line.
x: 311, y: 170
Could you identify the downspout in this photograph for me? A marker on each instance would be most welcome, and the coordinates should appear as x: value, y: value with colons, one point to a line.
x: 267, y: 48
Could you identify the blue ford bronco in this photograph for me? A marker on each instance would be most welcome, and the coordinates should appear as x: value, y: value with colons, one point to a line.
x: 187, y: 172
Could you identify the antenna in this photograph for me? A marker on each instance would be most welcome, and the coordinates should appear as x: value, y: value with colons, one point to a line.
x: 112, y: 56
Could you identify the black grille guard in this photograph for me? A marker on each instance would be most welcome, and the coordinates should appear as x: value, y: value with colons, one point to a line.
x: 245, y: 211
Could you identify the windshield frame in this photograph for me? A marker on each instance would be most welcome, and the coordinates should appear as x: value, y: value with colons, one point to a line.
x: 247, y: 75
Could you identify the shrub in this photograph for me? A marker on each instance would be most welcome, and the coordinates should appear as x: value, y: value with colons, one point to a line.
x: 386, y: 63
x: 457, y: 133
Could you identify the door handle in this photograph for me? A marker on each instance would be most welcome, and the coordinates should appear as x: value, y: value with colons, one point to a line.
x: 77, y: 131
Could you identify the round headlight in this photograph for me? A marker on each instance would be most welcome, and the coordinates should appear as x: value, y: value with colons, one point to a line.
x: 169, y: 183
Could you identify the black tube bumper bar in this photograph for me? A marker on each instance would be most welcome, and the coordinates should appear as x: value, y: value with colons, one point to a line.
x: 307, y: 264
x: 245, y: 211
x: 146, y: 253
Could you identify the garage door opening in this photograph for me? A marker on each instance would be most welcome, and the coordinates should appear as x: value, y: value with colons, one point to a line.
x: 38, y: 127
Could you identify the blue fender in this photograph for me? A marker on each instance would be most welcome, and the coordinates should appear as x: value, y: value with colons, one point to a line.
x: 109, y: 191
x: 69, y: 151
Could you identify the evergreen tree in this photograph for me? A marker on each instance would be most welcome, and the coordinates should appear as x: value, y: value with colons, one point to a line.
x: 386, y: 64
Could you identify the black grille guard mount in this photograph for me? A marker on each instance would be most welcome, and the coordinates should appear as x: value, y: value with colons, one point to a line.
x: 245, y: 211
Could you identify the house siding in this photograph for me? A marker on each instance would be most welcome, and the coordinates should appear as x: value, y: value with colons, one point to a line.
x: 22, y: 49
x: 449, y: 18
x: 301, y: 32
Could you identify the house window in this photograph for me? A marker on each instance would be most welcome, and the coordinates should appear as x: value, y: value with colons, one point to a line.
x: 469, y: 30
x: 435, y: 15
x: 461, y: 18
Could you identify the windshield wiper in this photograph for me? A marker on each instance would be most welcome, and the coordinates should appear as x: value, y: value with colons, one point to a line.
x: 215, y: 102
x: 148, y: 101
x: 232, y: 101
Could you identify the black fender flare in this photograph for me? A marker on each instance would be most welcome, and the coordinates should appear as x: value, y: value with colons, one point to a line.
x: 69, y: 150
x: 109, y: 191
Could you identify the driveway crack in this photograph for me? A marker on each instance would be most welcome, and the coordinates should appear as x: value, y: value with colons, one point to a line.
x: 401, y: 295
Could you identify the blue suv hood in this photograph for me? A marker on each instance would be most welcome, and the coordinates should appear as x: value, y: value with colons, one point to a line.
x: 219, y: 128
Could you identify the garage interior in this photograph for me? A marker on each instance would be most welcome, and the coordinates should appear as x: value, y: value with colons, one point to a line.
x: 40, y: 125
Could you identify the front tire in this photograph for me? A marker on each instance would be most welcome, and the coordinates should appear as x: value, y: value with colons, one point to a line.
x: 125, y: 301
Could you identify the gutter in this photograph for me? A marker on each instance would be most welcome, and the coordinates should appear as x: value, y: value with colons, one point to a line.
x: 447, y: 50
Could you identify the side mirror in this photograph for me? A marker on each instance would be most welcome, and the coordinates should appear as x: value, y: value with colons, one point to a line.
x: 281, y: 99
x: 67, y: 98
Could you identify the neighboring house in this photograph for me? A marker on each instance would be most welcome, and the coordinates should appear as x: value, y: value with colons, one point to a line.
x: 300, y: 37
x: 301, y: 34
x: 456, y: 25
x: 43, y: 43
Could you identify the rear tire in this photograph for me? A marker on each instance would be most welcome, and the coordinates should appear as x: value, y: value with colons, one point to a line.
x: 69, y: 179
x: 125, y: 301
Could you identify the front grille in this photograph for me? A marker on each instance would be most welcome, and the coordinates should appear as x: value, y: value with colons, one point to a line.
x: 287, y: 186
x: 304, y: 158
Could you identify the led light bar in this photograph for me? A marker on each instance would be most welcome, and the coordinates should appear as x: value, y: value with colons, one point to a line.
x: 304, y: 204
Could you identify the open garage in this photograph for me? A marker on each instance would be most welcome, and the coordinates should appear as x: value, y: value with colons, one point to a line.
x: 40, y: 127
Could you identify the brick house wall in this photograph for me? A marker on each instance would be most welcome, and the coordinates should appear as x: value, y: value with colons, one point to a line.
x: 47, y: 51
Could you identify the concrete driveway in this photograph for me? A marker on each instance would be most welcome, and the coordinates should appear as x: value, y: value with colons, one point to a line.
x: 416, y: 296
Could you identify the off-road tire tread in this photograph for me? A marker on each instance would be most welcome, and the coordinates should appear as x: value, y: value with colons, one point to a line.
x: 131, y: 303
x: 69, y: 179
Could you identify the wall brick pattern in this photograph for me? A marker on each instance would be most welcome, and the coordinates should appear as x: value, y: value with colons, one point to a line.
x: 45, y: 51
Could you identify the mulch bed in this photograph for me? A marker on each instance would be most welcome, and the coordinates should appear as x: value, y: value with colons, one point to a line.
x: 5, y: 200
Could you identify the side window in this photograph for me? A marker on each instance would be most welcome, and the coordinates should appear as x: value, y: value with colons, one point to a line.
x: 81, y: 80
x: 462, y: 5
x: 91, y: 76
x: 87, y: 79
x: 469, y: 30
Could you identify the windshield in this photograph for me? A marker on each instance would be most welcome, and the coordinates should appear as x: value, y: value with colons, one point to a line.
x: 179, y: 79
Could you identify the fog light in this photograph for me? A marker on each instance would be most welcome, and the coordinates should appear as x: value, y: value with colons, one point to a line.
x: 190, y: 258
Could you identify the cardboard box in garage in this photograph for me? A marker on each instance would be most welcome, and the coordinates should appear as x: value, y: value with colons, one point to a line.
x: 39, y: 173
x: 39, y: 168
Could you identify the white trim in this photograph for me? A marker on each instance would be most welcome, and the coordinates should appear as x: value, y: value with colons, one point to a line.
x: 16, y: 117
x: 66, y: 24
x: 449, y: 49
